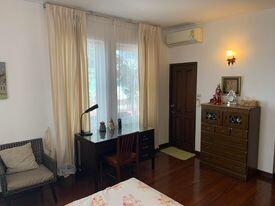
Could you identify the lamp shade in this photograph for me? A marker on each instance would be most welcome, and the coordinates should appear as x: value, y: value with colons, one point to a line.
x: 230, y: 53
x: 91, y: 108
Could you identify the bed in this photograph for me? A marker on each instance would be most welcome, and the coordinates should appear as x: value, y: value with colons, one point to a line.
x: 131, y: 192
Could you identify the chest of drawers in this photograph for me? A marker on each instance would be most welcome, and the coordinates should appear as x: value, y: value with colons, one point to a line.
x: 230, y: 138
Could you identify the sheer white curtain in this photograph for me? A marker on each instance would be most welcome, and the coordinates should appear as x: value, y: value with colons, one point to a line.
x: 127, y: 72
x: 113, y: 70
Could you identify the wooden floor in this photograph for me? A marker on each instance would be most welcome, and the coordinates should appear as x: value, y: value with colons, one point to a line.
x: 187, y: 182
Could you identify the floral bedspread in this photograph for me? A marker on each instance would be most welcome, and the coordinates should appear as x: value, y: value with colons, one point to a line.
x: 131, y: 192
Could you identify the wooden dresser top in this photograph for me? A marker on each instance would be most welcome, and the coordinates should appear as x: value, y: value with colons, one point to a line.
x: 226, y: 106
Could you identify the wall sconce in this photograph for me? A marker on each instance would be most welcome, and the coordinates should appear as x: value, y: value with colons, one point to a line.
x: 230, y: 57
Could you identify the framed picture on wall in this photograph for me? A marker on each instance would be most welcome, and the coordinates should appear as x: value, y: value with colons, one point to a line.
x: 3, y: 81
x: 231, y: 83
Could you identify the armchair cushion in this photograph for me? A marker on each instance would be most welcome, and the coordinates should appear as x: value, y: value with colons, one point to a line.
x: 50, y: 164
x: 29, y: 178
x: 18, y: 159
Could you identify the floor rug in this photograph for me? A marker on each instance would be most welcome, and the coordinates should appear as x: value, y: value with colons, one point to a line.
x: 177, y: 153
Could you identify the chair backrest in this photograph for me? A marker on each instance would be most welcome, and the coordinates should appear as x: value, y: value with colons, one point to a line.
x: 126, y: 146
x: 37, y: 148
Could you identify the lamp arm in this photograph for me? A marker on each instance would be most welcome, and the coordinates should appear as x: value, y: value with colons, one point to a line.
x: 81, y: 118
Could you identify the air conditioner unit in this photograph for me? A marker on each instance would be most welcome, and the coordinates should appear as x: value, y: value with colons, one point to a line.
x: 189, y: 36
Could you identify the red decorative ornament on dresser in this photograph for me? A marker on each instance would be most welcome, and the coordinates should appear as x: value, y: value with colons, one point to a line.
x: 217, y: 97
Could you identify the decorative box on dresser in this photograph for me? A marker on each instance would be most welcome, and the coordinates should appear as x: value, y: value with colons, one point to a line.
x: 230, y: 139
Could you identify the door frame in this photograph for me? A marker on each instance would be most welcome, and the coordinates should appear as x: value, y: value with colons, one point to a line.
x: 170, y: 99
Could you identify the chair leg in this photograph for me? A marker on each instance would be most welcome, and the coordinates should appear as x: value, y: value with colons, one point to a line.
x: 137, y: 168
x: 53, y: 192
x: 118, y: 173
x: 41, y: 193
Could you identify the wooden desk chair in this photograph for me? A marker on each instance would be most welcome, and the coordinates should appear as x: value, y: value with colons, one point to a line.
x: 126, y: 154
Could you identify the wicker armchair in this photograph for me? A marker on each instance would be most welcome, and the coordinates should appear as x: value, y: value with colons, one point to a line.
x: 44, y: 161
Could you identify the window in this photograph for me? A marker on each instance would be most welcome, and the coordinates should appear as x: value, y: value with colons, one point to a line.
x: 127, y: 83
x: 113, y: 71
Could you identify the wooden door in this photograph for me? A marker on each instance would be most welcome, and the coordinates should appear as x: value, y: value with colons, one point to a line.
x: 183, y: 87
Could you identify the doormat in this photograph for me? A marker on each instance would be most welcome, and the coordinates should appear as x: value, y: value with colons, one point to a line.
x: 177, y: 153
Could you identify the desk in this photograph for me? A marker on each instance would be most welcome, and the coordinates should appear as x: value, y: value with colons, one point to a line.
x: 90, y: 149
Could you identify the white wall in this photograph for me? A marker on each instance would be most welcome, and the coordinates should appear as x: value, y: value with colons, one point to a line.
x: 27, y: 111
x: 252, y: 36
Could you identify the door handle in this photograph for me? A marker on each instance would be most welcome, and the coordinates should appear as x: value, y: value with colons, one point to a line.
x: 172, y: 107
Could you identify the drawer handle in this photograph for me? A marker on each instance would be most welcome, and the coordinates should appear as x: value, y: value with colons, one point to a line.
x: 145, y: 155
x: 206, y: 147
x: 145, y: 147
x: 145, y: 138
x: 235, y: 119
x: 211, y: 116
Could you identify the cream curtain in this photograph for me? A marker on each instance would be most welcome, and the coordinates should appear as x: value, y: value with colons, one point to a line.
x: 149, y: 46
x: 69, y: 78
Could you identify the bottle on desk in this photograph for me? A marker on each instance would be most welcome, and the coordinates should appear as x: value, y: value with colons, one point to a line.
x: 119, y: 123
x: 102, y: 127
x: 112, y: 124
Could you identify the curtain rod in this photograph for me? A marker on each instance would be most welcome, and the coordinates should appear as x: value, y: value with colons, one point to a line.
x: 93, y: 13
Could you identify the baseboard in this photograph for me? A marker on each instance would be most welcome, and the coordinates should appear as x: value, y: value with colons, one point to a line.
x: 163, y: 146
x: 197, y: 153
x: 266, y: 175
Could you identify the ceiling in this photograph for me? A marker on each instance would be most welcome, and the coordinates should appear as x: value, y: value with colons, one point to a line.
x: 171, y: 12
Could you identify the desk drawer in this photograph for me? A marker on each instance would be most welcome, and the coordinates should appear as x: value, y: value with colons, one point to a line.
x: 145, y: 147
x: 145, y: 156
x: 146, y: 152
x: 146, y: 144
x: 146, y: 137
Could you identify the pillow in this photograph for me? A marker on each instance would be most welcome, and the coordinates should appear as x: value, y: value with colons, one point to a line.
x: 19, y: 159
